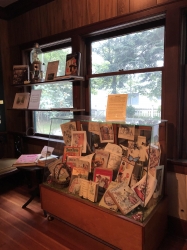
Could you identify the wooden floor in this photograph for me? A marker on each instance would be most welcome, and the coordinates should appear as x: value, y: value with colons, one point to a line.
x: 28, y: 228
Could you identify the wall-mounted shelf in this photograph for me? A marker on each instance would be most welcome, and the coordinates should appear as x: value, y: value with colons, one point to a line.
x: 57, y: 79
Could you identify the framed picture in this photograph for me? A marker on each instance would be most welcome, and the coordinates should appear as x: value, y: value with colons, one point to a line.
x: 52, y: 69
x: 21, y: 100
x: 20, y: 74
x: 79, y: 139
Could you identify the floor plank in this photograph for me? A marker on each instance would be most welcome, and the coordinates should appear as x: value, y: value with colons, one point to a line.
x: 29, y: 224
x: 27, y: 228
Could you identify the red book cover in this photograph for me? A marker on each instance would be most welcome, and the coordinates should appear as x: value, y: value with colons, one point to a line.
x: 71, y: 151
x: 103, y: 176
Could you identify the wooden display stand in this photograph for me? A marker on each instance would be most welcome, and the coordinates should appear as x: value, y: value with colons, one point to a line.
x: 110, y: 227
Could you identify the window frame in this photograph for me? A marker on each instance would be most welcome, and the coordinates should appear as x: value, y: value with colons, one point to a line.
x: 140, y: 25
x: 29, y: 117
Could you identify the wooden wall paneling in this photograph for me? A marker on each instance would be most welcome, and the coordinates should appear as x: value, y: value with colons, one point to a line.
x: 12, y: 34
x: 57, y: 16
x: 79, y: 14
x: 184, y: 101
x: 92, y: 11
x: 45, y: 21
x: 165, y: 1
x: 17, y: 30
x: 108, y: 9
x: 51, y: 16
x: 140, y: 5
x: 171, y: 86
x: 26, y: 26
x: 176, y: 190
x: 123, y: 7
x: 35, y: 25
x: 67, y: 16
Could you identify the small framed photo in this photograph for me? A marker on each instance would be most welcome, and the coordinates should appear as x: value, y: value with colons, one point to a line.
x: 21, y: 100
x: 52, y: 69
x: 79, y: 139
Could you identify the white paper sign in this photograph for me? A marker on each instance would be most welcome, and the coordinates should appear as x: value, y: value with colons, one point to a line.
x: 116, y: 107
x: 34, y: 102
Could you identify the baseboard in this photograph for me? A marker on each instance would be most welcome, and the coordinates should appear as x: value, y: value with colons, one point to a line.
x: 177, y: 226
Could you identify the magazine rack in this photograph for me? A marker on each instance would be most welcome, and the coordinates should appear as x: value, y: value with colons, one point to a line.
x: 144, y: 226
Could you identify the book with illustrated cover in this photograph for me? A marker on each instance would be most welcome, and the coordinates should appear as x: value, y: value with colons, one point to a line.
x: 79, y: 139
x: 20, y: 74
x: 66, y: 129
x: 100, y: 158
x: 103, y: 176
x: 71, y: 151
x: 76, y: 176
x: 89, y: 190
x: 106, y: 132
x: 145, y: 188
x: 126, y: 132
x: 125, y: 171
x: 27, y: 160
x: 85, y: 162
x: 73, y: 64
x: 71, y: 161
x: 124, y: 197
x: 106, y: 200
x: 21, y: 100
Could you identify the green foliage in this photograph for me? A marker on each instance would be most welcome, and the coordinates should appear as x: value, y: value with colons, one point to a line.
x: 130, y: 111
x: 138, y: 50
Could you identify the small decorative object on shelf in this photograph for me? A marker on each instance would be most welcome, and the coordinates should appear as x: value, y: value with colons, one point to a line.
x: 73, y: 64
x: 37, y: 67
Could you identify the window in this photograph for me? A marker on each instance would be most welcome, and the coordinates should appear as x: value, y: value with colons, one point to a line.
x: 129, y: 63
x: 54, y: 95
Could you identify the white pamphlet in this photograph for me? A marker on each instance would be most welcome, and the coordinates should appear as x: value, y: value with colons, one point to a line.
x: 34, y: 102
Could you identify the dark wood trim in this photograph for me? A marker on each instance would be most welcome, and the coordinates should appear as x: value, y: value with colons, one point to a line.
x: 125, y: 72
x: 177, y: 227
x: 20, y: 7
x: 177, y: 166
